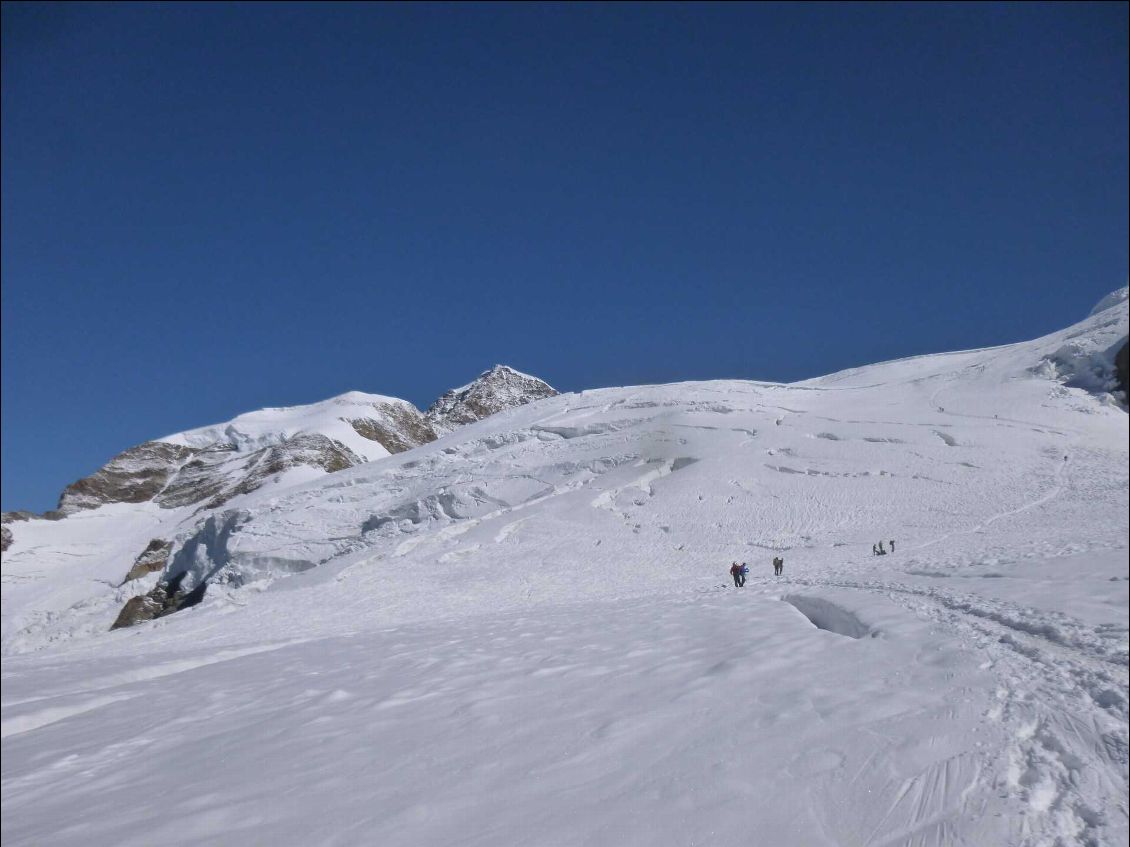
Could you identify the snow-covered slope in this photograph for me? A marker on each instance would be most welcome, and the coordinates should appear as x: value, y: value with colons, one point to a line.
x: 524, y: 631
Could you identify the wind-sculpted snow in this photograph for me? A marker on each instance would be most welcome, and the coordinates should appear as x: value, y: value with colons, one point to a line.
x: 525, y: 632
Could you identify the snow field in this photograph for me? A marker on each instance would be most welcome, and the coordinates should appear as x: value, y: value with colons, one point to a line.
x: 523, y: 633
x: 667, y: 721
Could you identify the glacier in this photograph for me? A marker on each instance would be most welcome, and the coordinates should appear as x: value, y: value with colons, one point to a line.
x: 523, y: 632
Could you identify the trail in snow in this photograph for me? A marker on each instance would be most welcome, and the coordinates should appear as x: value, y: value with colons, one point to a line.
x: 1053, y: 492
x: 1061, y: 700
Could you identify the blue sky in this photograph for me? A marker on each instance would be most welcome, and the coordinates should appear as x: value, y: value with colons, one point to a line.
x: 210, y: 209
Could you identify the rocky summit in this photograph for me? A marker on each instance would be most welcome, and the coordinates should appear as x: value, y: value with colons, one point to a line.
x: 493, y: 391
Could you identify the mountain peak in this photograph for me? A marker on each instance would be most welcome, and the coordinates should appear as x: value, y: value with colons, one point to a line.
x: 498, y: 388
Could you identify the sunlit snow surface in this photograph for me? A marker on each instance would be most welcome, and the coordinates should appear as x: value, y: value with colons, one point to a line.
x: 525, y: 633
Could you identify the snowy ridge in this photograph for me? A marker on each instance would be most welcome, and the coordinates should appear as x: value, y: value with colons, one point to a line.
x: 209, y: 466
x: 268, y: 427
x: 524, y: 631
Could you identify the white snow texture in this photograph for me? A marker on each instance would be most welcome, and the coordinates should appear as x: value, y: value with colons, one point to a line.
x: 525, y: 633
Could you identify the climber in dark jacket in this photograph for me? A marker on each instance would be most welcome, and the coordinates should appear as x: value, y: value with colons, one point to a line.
x: 736, y: 573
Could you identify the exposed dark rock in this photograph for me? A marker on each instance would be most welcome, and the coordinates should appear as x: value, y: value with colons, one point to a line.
x: 405, y: 429
x: 202, y: 477
x: 134, y: 476
x: 164, y: 599
x: 5, y: 539
x: 315, y: 450
x: 144, y: 607
x: 493, y: 391
x: 15, y: 517
x: 209, y: 544
x: 150, y: 560
x: 216, y: 474
x: 174, y: 475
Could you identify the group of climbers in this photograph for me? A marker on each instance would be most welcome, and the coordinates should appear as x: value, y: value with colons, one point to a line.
x: 739, y: 572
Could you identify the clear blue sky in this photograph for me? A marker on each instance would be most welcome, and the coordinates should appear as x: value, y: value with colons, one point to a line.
x: 210, y: 209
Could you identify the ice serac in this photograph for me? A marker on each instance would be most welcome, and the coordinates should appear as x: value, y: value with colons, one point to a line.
x: 1093, y: 354
x: 495, y: 390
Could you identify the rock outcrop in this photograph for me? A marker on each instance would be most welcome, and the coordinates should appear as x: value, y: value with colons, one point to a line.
x: 400, y: 429
x: 209, y: 466
x: 133, y: 476
x: 164, y: 599
x: 174, y: 475
x: 493, y: 391
x: 150, y: 560
x: 217, y: 474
